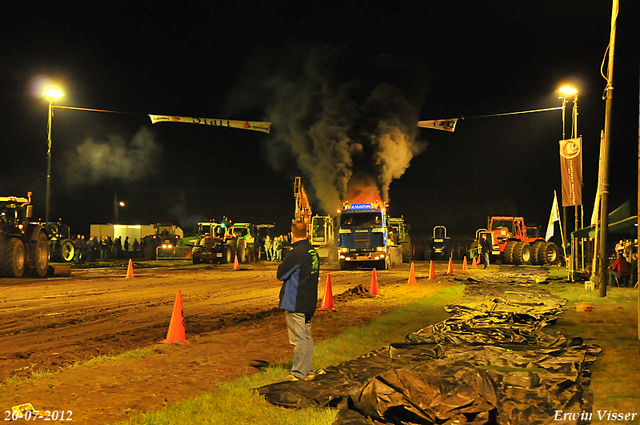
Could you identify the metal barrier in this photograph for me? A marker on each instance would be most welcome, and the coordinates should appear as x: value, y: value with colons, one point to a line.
x: 174, y: 253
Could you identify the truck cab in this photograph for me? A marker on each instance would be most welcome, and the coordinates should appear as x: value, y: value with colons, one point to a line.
x: 363, y: 236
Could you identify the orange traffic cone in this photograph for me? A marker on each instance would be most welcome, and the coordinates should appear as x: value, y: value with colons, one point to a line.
x: 327, y: 300
x: 176, y: 326
x: 236, y: 265
x: 130, y: 270
x: 464, y: 264
x: 432, y: 272
x: 412, y: 276
x: 474, y: 264
x: 450, y: 270
x: 374, y: 283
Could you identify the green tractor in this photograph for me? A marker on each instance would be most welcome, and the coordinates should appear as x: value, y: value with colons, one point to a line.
x: 61, y: 244
x: 400, y: 236
x: 23, y: 244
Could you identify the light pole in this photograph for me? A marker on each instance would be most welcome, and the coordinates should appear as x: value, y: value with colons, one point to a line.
x: 51, y: 94
x: 569, y: 91
x: 116, y: 207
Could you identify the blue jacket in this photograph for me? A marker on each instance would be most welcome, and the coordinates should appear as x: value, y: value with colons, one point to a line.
x: 299, y: 273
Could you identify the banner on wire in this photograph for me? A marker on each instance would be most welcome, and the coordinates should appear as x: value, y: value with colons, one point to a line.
x: 446, y: 125
x: 571, y: 171
x: 264, y: 127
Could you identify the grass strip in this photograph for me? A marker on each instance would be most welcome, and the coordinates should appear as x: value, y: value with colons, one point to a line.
x: 236, y: 403
x: 612, y: 325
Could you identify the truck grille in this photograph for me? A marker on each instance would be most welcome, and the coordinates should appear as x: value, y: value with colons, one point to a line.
x: 361, y: 241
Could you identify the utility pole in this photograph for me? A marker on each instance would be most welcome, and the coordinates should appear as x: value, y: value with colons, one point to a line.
x: 604, y: 216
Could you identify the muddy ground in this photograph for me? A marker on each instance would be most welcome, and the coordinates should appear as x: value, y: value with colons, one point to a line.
x: 231, y: 322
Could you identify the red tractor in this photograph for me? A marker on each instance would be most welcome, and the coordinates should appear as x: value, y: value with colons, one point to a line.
x: 511, y: 243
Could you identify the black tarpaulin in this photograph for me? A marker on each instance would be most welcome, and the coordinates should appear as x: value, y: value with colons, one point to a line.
x: 490, y: 363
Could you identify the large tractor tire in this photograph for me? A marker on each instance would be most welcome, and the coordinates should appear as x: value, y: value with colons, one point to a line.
x: 241, y: 251
x: 227, y: 255
x: 12, y: 258
x: 41, y: 255
x: 536, y: 258
x: 549, y: 254
x: 522, y: 253
x: 507, y: 255
x: 67, y: 250
x: 406, y: 252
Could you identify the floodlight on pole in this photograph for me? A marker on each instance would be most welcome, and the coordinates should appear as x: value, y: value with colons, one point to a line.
x: 51, y: 93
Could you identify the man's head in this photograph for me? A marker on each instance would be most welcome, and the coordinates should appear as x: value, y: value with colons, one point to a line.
x: 298, y: 230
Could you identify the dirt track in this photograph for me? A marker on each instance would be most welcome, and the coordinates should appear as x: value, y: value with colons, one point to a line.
x: 230, y: 320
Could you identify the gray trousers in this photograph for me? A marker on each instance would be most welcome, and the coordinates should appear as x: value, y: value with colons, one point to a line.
x: 300, y: 338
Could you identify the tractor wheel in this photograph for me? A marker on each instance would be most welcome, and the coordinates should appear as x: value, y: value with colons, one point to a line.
x: 507, y: 255
x: 522, y: 253
x: 196, y: 259
x: 406, y: 252
x: 227, y: 255
x: 241, y: 251
x: 535, y: 252
x: 549, y: 254
x: 13, y: 258
x: 67, y: 250
x: 41, y: 255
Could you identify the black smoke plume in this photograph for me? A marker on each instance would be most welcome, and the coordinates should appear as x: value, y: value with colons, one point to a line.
x: 343, y: 134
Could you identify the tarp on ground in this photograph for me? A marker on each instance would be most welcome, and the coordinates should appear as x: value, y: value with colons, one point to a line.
x: 489, y: 363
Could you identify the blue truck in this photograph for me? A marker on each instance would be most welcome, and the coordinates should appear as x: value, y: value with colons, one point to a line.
x: 364, y: 237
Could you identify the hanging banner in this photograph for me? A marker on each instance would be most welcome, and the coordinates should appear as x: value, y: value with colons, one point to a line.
x: 446, y: 125
x: 571, y: 171
x: 265, y: 127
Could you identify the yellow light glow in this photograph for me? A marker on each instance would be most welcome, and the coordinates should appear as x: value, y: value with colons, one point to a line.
x: 53, y: 93
x: 567, y: 90
x: 121, y: 204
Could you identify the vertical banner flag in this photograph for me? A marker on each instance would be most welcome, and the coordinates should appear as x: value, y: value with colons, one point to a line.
x: 446, y: 125
x: 265, y: 127
x: 571, y: 171
x: 553, y: 217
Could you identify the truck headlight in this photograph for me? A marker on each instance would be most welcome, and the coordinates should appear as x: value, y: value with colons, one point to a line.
x: 343, y: 249
x: 380, y: 248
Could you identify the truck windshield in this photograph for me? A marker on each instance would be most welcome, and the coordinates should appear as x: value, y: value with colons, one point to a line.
x: 349, y: 220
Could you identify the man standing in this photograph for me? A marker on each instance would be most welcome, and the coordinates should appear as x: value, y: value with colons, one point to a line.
x: 299, y: 297
x: 267, y: 247
x: 485, y: 247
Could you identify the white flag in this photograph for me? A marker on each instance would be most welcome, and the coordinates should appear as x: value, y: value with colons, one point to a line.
x: 446, y: 125
x: 553, y: 217
x: 265, y: 127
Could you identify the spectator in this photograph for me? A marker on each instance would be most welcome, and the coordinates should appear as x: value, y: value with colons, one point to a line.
x: 279, y: 248
x: 299, y: 297
x: 268, y: 244
x: 621, y: 269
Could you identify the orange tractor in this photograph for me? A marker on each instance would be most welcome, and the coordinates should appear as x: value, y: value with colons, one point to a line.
x: 513, y: 246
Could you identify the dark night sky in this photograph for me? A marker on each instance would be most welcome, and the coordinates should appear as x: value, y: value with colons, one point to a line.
x: 216, y: 59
